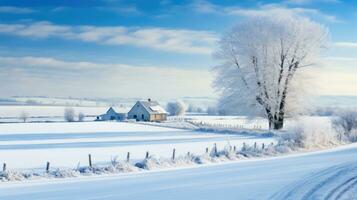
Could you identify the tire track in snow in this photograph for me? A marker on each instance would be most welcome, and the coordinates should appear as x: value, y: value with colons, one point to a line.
x: 331, y: 183
x: 313, y: 193
x: 345, y: 186
x: 348, y: 188
x: 288, y: 191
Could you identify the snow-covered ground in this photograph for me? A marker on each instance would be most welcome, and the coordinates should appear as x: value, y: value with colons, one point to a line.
x: 31, y: 145
x: 43, y: 113
x: 328, y: 174
x: 250, y: 123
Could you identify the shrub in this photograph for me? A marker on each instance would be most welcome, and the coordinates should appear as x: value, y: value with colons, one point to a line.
x: 212, y: 110
x: 346, y: 125
x: 69, y: 114
x: 176, y: 108
x: 310, y: 133
x: 81, y: 117
x: 24, y: 116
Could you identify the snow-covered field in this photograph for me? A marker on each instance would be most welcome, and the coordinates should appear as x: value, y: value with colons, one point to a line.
x: 27, y: 147
x: 38, y: 111
x: 31, y: 145
x: 254, y: 123
x: 43, y: 113
x: 328, y: 174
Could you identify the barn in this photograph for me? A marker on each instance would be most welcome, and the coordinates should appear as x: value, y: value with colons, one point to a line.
x: 111, y: 114
x: 147, y: 111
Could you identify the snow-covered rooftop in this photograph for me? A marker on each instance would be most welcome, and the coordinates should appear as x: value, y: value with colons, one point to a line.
x: 158, y: 109
x: 153, y: 107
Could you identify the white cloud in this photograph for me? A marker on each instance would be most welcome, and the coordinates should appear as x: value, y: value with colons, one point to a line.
x: 173, y: 40
x: 128, y: 9
x: 278, y: 10
x: 305, y: 2
x: 54, y: 77
x: 203, y: 6
x: 346, y: 44
x: 29, y: 62
x: 15, y: 10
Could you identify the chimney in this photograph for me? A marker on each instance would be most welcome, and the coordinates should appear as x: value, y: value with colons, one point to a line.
x: 149, y: 99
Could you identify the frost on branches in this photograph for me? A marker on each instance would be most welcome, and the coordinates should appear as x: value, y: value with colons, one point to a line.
x: 263, y: 62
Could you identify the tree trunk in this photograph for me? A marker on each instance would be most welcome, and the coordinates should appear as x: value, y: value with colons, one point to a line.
x: 276, y: 123
x: 276, y: 120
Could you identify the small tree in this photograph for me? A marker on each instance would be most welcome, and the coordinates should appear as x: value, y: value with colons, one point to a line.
x: 81, y: 117
x: 346, y: 124
x: 69, y: 114
x: 176, y: 108
x: 212, y: 110
x: 24, y: 116
x: 199, y: 110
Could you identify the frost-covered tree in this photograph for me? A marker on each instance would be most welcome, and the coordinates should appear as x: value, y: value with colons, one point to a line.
x: 81, y: 117
x: 69, y: 114
x: 194, y: 108
x: 261, y: 64
x: 212, y: 110
x: 176, y: 108
x: 24, y: 116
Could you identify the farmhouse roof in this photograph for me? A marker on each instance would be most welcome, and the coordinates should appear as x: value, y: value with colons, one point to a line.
x: 153, y: 107
x: 118, y: 109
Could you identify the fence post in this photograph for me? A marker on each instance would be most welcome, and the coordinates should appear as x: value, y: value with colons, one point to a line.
x: 215, y: 149
x: 173, y: 154
x: 4, y: 167
x: 147, y: 155
x: 90, y: 160
x: 47, y: 167
x: 128, y: 157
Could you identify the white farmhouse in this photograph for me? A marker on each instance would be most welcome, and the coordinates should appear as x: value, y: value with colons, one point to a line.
x: 111, y: 114
x: 147, y: 111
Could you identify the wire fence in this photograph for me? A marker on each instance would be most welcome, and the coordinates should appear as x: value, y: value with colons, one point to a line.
x: 211, y: 152
x: 214, y: 124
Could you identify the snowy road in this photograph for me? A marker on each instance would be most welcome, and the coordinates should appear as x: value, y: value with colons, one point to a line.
x: 336, y: 182
x: 322, y: 175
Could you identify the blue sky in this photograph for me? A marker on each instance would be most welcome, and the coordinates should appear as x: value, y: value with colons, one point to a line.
x: 161, y: 49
